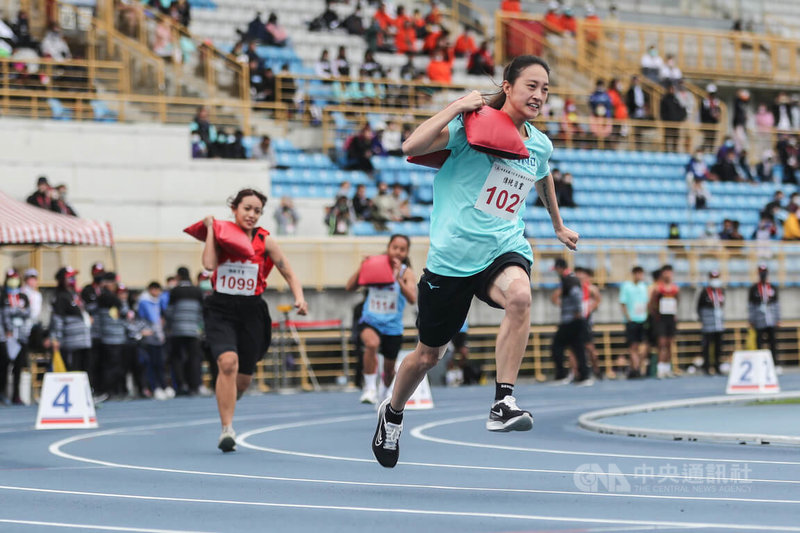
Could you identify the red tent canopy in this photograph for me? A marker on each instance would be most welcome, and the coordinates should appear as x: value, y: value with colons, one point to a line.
x: 21, y: 223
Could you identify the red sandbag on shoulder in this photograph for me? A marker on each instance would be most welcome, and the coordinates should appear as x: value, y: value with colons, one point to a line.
x: 230, y: 237
x: 376, y: 270
x: 488, y: 130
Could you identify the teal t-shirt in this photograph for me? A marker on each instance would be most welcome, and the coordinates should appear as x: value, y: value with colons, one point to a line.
x: 635, y: 297
x: 478, y: 203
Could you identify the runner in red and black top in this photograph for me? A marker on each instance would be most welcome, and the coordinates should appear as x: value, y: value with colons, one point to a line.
x: 663, y: 308
x: 589, y: 303
x: 238, y: 325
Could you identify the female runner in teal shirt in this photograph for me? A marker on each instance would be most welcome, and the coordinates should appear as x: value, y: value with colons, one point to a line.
x: 478, y: 247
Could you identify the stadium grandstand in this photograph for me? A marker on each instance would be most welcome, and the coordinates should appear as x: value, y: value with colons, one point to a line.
x: 676, y: 142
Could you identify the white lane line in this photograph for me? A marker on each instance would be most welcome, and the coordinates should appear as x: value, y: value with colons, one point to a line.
x: 418, y: 433
x: 429, y: 512
x: 85, y: 527
x: 55, y: 449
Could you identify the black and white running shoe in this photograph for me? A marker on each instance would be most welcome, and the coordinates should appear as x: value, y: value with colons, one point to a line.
x: 386, y: 442
x: 506, y: 416
x: 227, y: 440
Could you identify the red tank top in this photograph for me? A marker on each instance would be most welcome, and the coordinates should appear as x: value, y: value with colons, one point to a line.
x: 587, y: 296
x: 244, y: 276
x: 662, y: 289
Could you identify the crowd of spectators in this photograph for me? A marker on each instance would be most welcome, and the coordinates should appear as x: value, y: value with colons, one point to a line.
x: 388, y: 205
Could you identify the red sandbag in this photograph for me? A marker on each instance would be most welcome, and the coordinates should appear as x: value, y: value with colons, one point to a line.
x: 376, y: 270
x: 230, y: 237
x: 488, y: 130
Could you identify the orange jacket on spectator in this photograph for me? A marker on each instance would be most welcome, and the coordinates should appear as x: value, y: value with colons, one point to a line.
x: 791, y: 227
x: 400, y: 21
x: 405, y: 39
x: 592, y: 26
x: 465, y: 45
x: 383, y: 18
x: 511, y: 6
x: 440, y: 70
x: 568, y: 23
x: 432, y: 39
x: 553, y: 22
x: 434, y: 16
x: 620, y: 109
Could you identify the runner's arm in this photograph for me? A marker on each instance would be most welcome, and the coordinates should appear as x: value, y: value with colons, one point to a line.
x: 596, y: 298
x: 282, y: 264
x: 408, y: 287
x: 210, y: 259
x: 547, y: 192
x: 433, y: 134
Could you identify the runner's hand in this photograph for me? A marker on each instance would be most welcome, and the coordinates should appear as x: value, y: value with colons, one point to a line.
x: 472, y: 101
x: 568, y: 237
x: 208, y: 221
x: 301, y: 306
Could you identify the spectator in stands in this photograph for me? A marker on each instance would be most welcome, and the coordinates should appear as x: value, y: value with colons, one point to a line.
x: 15, y: 312
x: 286, y: 217
x: 552, y: 19
x: 511, y: 6
x: 184, y: 10
x: 600, y: 104
x: 358, y: 151
x: 795, y: 112
x: 341, y: 66
x: 633, y: 298
x: 386, y: 207
x: 362, y: 206
x: 338, y: 218
x: 765, y: 231
x: 710, y: 113
x: 651, y: 64
x: 54, y: 46
x: 392, y: 138
x: 592, y: 25
x: 69, y: 323
x: 663, y: 307
x: 371, y: 68
x: 763, y: 312
x: 440, y: 68
x: 262, y: 83
x: 564, y: 192
x: 728, y: 230
x: 781, y: 112
x: 636, y: 99
x: 696, y: 168
x: 569, y: 23
x: 699, y: 195
x: 264, y: 151
x: 278, y: 35
x: 328, y: 20
x: 672, y: 112
x: 465, y: 44
x: 619, y: 111
x: 791, y: 226
x: 775, y: 204
x: 22, y: 31
x: 794, y: 199
x: 41, y: 197
x: 165, y: 41
x: 728, y: 169
x: 669, y: 73
x: 765, y: 169
x: 205, y: 131
x: 686, y: 98
x: 740, y: 115
x: 434, y: 15
x: 481, y: 61
x: 405, y: 39
x: 59, y: 201
x: 420, y: 26
x: 570, y: 121
x: 256, y: 30
x: 764, y: 122
x: 323, y: 67
x: 710, y: 310
x: 354, y: 23
x: 789, y: 156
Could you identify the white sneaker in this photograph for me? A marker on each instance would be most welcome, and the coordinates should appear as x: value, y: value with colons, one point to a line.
x: 588, y: 382
x: 569, y: 379
x: 227, y: 440
x: 159, y: 394
x: 170, y: 392
x: 205, y: 391
x: 369, y: 396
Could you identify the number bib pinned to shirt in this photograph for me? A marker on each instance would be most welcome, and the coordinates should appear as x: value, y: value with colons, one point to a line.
x: 382, y: 301
x: 504, y: 191
x: 237, y: 278
x: 668, y: 306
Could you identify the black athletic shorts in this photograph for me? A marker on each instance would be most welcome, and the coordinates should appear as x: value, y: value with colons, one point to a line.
x: 665, y: 326
x: 389, y: 344
x: 635, y: 333
x: 444, y: 300
x: 238, y: 324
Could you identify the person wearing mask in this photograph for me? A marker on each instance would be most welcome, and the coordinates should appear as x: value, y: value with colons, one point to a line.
x: 669, y: 73
x: 663, y: 307
x: 571, y: 327
x: 149, y: 310
x: 286, y: 217
x: 764, y: 313
x: 41, y: 197
x: 184, y: 319
x: 59, y: 202
x: 380, y: 328
x: 111, y: 317
x: 633, y: 297
x: 70, y: 324
x: 15, y: 311
x: 651, y: 64
x: 710, y: 311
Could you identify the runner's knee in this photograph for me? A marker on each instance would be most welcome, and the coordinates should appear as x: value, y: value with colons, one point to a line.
x: 228, y: 364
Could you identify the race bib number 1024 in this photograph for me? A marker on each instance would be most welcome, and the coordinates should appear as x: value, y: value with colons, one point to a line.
x: 504, y: 192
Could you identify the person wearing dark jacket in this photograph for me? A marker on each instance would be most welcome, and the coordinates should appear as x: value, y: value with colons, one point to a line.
x: 41, y: 197
x: 15, y: 312
x: 710, y: 310
x: 111, y: 318
x: 89, y: 295
x: 710, y: 113
x: 185, y: 326
x: 763, y: 311
x: 70, y: 324
x: 572, y: 325
x: 636, y: 100
x: 671, y: 111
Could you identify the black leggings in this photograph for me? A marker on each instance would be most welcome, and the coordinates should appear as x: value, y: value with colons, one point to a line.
x: 572, y: 335
x: 714, y: 338
x: 186, y: 360
x: 767, y: 335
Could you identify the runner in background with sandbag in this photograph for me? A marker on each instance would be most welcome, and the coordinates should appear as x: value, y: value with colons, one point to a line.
x: 237, y: 320
x: 477, y: 242
x: 390, y: 285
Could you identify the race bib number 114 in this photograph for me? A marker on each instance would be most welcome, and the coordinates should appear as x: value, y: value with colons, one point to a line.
x: 504, y: 191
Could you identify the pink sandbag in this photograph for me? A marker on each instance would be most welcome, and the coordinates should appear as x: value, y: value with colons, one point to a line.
x: 376, y: 270
x: 488, y: 130
x: 229, y: 235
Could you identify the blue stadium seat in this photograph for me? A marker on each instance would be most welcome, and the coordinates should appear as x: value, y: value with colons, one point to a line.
x: 58, y: 111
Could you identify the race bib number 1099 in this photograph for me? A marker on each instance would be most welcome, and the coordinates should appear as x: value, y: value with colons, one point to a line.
x: 237, y: 278
x: 504, y: 192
